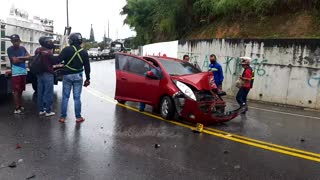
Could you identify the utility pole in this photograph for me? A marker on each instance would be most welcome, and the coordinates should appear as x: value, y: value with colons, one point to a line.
x: 108, y: 30
x: 67, y: 29
x: 67, y: 13
x: 117, y: 34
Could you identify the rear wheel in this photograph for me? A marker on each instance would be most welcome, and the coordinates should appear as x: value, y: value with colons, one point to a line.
x: 167, y: 109
x: 121, y: 101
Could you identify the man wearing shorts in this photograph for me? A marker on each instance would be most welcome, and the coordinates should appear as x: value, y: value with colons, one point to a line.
x: 18, y: 55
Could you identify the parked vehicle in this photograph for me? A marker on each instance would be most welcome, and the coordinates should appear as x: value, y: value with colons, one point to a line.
x: 94, y: 53
x: 105, y: 54
x: 179, y: 88
x: 30, y: 31
x: 117, y: 47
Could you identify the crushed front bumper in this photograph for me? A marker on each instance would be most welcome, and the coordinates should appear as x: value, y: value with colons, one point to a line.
x: 205, y: 112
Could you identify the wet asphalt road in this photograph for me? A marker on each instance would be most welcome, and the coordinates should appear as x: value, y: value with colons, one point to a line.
x: 118, y: 143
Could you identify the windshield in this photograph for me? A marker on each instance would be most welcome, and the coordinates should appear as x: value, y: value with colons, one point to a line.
x: 177, y: 68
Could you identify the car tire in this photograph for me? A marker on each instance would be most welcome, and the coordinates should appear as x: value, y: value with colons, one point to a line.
x: 121, y: 101
x: 167, y: 109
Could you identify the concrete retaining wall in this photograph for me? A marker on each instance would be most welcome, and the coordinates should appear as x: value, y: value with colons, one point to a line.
x: 287, y: 71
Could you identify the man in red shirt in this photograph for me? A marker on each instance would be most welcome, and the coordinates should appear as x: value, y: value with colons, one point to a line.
x: 248, y: 78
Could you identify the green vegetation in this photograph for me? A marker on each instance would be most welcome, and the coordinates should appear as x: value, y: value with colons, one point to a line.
x: 162, y: 20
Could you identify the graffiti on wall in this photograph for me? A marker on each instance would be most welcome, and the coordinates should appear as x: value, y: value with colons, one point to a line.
x: 314, y: 81
x: 256, y: 64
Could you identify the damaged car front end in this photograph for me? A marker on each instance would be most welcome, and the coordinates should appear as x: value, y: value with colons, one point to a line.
x: 202, y: 104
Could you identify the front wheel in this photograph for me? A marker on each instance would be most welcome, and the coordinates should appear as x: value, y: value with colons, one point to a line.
x: 167, y: 109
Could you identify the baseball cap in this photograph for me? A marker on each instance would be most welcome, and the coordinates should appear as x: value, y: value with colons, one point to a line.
x: 15, y: 37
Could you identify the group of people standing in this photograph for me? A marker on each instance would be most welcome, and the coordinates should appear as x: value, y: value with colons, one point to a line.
x: 247, y: 77
x: 75, y: 60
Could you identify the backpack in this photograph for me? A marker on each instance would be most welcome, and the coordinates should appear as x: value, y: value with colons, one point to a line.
x: 36, y: 64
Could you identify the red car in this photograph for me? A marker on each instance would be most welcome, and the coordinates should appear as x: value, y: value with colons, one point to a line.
x: 171, y: 87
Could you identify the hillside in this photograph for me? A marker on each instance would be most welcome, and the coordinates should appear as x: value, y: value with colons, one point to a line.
x: 298, y: 25
x: 165, y: 20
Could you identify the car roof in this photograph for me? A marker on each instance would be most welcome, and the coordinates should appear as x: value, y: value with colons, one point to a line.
x: 164, y: 58
x: 154, y: 57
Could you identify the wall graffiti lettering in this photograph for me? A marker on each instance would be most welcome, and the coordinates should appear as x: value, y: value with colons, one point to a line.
x: 206, y: 63
x: 230, y: 62
x: 256, y: 65
x: 314, y: 81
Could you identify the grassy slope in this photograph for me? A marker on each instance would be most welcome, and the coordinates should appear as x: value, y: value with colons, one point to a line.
x: 298, y: 25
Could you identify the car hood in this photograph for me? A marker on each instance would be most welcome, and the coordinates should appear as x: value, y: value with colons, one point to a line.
x: 200, y: 80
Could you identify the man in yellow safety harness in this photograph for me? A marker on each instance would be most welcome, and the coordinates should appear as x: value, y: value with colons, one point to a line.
x: 76, y: 60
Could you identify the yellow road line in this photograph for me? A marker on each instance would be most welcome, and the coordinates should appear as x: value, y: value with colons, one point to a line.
x: 233, y: 137
x: 263, y: 142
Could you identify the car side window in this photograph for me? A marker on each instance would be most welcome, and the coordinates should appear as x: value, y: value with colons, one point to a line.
x: 132, y: 64
x: 138, y: 66
x: 122, y: 62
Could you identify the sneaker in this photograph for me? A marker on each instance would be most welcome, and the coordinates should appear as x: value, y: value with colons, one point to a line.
x: 50, y: 114
x: 80, y: 120
x: 62, y: 120
x: 41, y: 113
x: 17, y: 111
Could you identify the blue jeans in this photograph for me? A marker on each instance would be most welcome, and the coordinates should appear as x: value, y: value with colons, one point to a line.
x: 71, y: 81
x: 242, y: 96
x: 45, y: 92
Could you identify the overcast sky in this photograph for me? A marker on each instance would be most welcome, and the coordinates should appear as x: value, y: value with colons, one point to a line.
x: 82, y: 13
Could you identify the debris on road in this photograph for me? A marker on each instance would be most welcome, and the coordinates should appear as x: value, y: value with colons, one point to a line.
x: 31, y: 177
x: 199, y: 127
x: 237, y: 167
x: 302, y: 140
x: 195, y: 131
x: 20, y: 161
x: 157, y: 145
x: 2, y: 166
x: 225, y: 152
x: 13, y: 165
x: 18, y: 146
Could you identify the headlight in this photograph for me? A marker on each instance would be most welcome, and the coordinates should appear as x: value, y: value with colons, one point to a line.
x: 185, y: 90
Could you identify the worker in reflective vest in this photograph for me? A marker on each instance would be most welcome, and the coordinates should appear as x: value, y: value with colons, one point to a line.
x: 75, y: 60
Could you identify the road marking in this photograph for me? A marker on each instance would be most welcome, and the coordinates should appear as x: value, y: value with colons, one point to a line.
x: 222, y: 134
x: 279, y: 112
x: 286, y: 113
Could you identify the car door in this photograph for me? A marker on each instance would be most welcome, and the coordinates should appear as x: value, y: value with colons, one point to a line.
x: 132, y: 83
